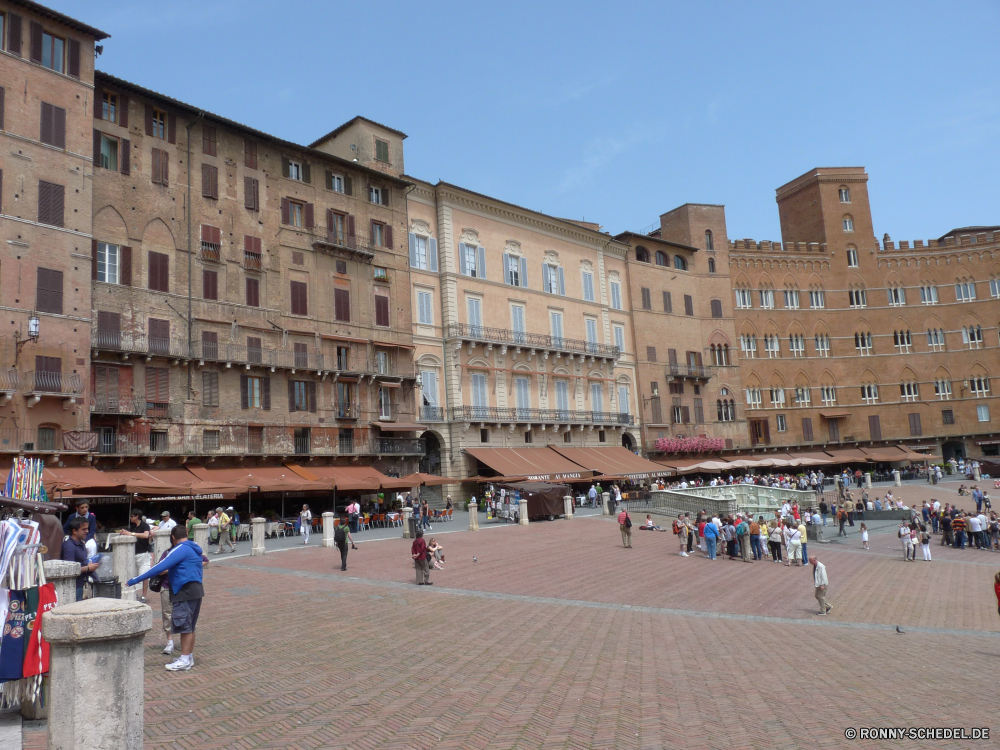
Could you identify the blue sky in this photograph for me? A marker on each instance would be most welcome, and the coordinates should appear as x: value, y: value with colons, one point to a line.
x: 610, y: 112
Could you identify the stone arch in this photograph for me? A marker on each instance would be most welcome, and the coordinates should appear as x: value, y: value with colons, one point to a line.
x: 753, y: 380
x: 777, y: 379
x: 156, y: 235
x: 868, y: 376
x: 941, y: 372
x: 428, y: 359
x: 718, y: 336
x: 479, y: 363
x: 561, y: 372
x: 109, y: 226
x: 979, y: 370
x: 827, y: 378
x: 907, y: 374
x: 742, y: 280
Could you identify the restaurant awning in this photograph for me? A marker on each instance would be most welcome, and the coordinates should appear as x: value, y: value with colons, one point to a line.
x: 849, y: 455
x: 261, y: 478
x: 346, y: 478
x: 613, y: 460
x: 400, y: 426
x: 535, y: 464
x: 68, y: 478
x: 428, y: 480
x: 172, y: 482
x: 835, y: 414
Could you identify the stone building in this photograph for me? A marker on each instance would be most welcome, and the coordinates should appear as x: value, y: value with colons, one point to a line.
x: 46, y: 105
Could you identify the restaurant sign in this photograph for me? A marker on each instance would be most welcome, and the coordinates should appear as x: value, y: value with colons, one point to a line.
x: 550, y: 477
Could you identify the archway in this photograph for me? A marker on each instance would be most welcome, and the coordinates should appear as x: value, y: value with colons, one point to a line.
x: 953, y: 449
x: 430, y: 463
x: 627, y: 441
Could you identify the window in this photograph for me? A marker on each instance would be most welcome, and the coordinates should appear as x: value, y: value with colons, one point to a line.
x: 869, y: 393
x: 909, y: 391
x: 53, y: 127
x: 772, y: 345
x: 935, y: 339
x: 777, y: 396
x: 874, y: 427
x: 553, y: 279
x: 379, y: 196
x: 983, y: 412
x: 209, y: 181
x: 651, y: 354
x: 249, y: 154
x: 852, y: 257
x: 668, y: 303
x: 897, y: 296
x: 423, y: 252
x: 647, y: 303
x: 255, y: 393
x: 109, y: 153
x: 159, y: 272
x: 299, y: 297
x: 590, y: 324
x: 965, y: 291
x: 252, y: 286
x: 596, y: 397
x: 209, y: 141
x: 588, y: 286
x: 210, y: 440
x: 484, y: 435
x: 50, y: 203
x: 928, y: 295
x: 720, y: 354
x: 748, y: 345
x: 209, y: 284
x: 642, y: 255
x: 109, y: 107
x: 616, y: 295
x: 425, y: 309
x: 381, y: 150
x: 157, y: 391
x: 973, y: 336
x: 902, y: 341
x: 157, y: 125
x: 779, y: 420
x: 803, y: 396
x: 711, y: 265
x: 662, y: 259
x: 49, y: 291
x: 294, y: 170
x: 619, y: 338
x: 52, y: 50
x: 942, y: 389
x: 979, y: 386
x: 744, y: 299
x: 767, y: 298
x: 341, y: 266
x: 517, y: 323
x: 822, y: 345
x: 797, y: 345
x: 251, y: 193
x: 857, y: 298
x: 708, y: 240
x: 863, y: 343
x: 828, y: 394
x: 381, y: 235
x: 295, y: 211
x: 680, y: 263
x: 725, y: 410
x: 515, y: 271
x: 342, y: 305
x: 848, y: 223
x: 472, y: 260
x: 382, y: 307
x: 753, y: 398
x: 995, y: 287
x: 527, y: 436
x: 107, y: 263
x: 947, y: 416
x: 817, y: 298
x: 480, y: 396
x: 161, y: 167
x: 688, y: 304
x: 716, y: 305
x: 301, y: 395
x: 346, y: 407
x: 209, y: 388
x: 845, y: 195
x: 792, y: 299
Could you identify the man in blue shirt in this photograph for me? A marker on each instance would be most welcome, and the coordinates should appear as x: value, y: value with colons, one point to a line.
x: 74, y: 549
x: 83, y: 511
x: 977, y: 495
x: 711, y: 534
x: 183, y: 566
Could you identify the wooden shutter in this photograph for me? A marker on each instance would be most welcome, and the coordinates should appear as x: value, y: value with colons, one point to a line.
x: 125, y: 265
x: 159, y: 331
x: 210, y: 388
x: 125, y: 158
x: 164, y: 169
x: 285, y: 211
x: 248, y: 193
x: 244, y: 392
x: 807, y: 429
x: 155, y: 165
x: 73, y: 58
x: 209, y: 344
x: 348, y: 185
x: 309, y: 215
x: 159, y: 272
x: 688, y: 304
x: 672, y: 356
x: 716, y: 308
x: 387, y: 234
x: 384, y: 192
x: 654, y: 404
x: 209, y: 284
x: 342, y: 305
x: 45, y: 124
x: 285, y: 167
x: 149, y: 119
x: 50, y: 204
x: 352, y: 241
x: 306, y: 173
x: 291, y: 395
x: 311, y: 395
x: 299, y: 298
x: 208, y: 140
x: 252, y: 292
x: 14, y: 34
x: 97, y: 146
x: 650, y: 353
x: 35, y: 39
x: 915, y: 429
x: 122, y: 110
x: 249, y: 153
x: 171, y: 128
x: 2, y: 99
x: 93, y: 260
x: 49, y: 291
x: 158, y: 385
x: 381, y: 311
x: 58, y: 127
x: 646, y: 301
x: 875, y: 427
x: 109, y: 321
x: 265, y: 393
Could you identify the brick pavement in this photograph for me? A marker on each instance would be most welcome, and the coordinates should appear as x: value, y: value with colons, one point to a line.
x: 535, y: 646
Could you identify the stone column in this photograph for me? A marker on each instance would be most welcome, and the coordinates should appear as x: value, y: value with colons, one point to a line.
x: 868, y: 479
x: 407, y: 515
x: 123, y: 563
x: 161, y: 543
x: 62, y: 574
x: 201, y: 536
x: 328, y: 529
x: 257, y: 546
x: 522, y: 511
x: 606, y: 500
x: 976, y: 475
x: 895, y: 476
x: 567, y: 506
x: 473, y: 517
x: 96, y: 673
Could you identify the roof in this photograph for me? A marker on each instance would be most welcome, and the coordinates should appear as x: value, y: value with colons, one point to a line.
x: 350, y: 122
x: 176, y: 103
x: 534, y: 464
x: 174, y: 482
x: 61, y: 18
x: 969, y: 230
x: 649, y: 238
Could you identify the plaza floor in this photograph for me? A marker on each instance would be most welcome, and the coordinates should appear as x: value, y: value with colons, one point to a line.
x: 558, y: 637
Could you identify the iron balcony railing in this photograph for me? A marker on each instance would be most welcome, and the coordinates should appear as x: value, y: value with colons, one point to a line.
x: 44, y: 383
x: 399, y: 446
x: 46, y: 440
x: 103, y: 403
x: 529, y: 340
x: 431, y: 413
x: 546, y: 416
x: 698, y: 372
x: 10, y: 380
x: 137, y: 343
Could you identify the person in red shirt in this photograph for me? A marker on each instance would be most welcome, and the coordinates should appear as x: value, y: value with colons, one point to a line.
x: 996, y: 590
x: 625, y: 522
x: 795, y: 511
x: 419, y: 553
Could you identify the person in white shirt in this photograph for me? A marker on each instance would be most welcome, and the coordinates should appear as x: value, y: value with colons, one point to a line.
x: 786, y: 509
x: 166, y: 522
x: 820, y: 583
x: 973, y: 527
x: 305, y: 523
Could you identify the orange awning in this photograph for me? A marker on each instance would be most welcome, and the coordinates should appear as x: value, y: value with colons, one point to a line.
x: 363, y: 478
x: 177, y: 481
x: 263, y: 478
x: 535, y: 464
x: 613, y: 460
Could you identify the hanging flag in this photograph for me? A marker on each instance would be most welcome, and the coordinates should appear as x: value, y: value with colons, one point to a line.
x: 36, y: 655
x: 12, y: 643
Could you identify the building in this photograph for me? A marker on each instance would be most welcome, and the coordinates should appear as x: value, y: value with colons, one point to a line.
x: 46, y: 105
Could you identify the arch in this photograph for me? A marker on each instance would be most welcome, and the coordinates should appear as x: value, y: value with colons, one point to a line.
x: 718, y: 336
x: 790, y: 282
x: 795, y: 328
x: 770, y: 326
x: 826, y: 378
x: 801, y: 380
x: 596, y: 375
x: 934, y: 322
x: 941, y: 372
x: 847, y: 223
x: 844, y: 194
x: 907, y: 374
x: 479, y: 362
x: 901, y: 324
x: 777, y: 379
x: 742, y: 280
x: 979, y: 370
x: 748, y: 328
x: 662, y: 259
x: 753, y: 381
x: 642, y: 254
x: 427, y: 359
x: 521, y: 367
x: 709, y: 240
x: 894, y: 278
x: 157, y: 234
x: 868, y: 376
x: 562, y: 372
x: 764, y: 281
x: 628, y: 442
x: 680, y: 263
x: 109, y: 226
x: 822, y: 328
x: 711, y: 265
x: 623, y: 379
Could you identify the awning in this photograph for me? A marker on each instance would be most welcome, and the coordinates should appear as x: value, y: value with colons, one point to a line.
x: 850, y: 455
x: 614, y: 460
x: 346, y: 478
x: 535, y: 464
x: 72, y: 478
x: 175, y: 482
x: 428, y: 480
x: 262, y: 478
x: 400, y: 426
x: 835, y: 414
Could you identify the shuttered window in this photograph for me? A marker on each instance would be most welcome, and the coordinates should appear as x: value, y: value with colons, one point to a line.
x: 159, y: 272
x: 302, y: 395
x: 2, y: 99
x: 807, y: 429
x: 210, y: 388
x: 252, y: 292
x: 650, y: 353
x: 647, y: 303
x: 159, y: 336
x: 668, y: 303
x: 716, y: 308
x: 249, y: 153
x: 255, y: 393
x: 875, y: 427
x: 157, y: 386
x: 300, y: 300
x: 49, y: 291
x: 209, y: 284
x: 161, y: 167
x: 14, y: 34
x: 51, y: 199
x: 688, y: 304
x: 53, y: 125
x: 342, y: 305
x: 210, y: 181
x: 209, y: 344
x: 381, y: 308
x: 915, y: 428
x: 209, y: 144
x: 251, y: 193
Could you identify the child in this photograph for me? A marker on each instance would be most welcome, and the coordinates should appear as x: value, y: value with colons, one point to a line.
x: 438, y: 551
x: 864, y: 536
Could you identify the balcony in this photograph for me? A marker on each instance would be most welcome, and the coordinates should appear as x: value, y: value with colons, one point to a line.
x: 431, y: 413
x: 399, y: 446
x: 356, y: 244
x: 46, y: 440
x: 10, y: 383
x: 103, y: 403
x: 210, y: 251
x: 256, y: 356
x: 38, y: 384
x: 126, y: 343
x: 523, y: 340
x: 253, y: 261
x: 517, y: 415
x: 689, y: 372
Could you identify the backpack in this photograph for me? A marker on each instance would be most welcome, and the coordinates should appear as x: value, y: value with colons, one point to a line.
x: 677, y: 528
x: 340, y: 536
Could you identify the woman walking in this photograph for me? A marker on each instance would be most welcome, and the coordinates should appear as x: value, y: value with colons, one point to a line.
x: 925, y: 542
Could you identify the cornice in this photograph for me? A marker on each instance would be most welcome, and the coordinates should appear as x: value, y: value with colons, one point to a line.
x: 816, y: 179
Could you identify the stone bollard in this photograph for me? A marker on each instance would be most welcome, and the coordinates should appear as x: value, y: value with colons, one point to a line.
x: 201, y: 536
x: 123, y: 563
x: 257, y: 546
x: 407, y: 515
x: 473, y: 517
x: 976, y: 475
x: 868, y: 479
x: 606, y: 500
x: 62, y: 574
x: 328, y: 529
x: 567, y: 506
x: 161, y: 543
x: 522, y: 511
x: 96, y: 669
x: 895, y: 476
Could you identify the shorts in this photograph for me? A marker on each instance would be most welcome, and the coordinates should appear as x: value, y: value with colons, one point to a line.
x: 185, y: 616
x: 142, y: 561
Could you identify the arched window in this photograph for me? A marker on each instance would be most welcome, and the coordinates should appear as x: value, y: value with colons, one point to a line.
x: 848, y: 223
x: 642, y: 255
x: 708, y: 240
x: 711, y: 265
x: 845, y: 195
x: 680, y: 264
x: 662, y: 259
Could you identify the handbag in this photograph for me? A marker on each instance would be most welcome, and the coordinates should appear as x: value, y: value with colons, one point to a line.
x: 628, y: 521
x: 156, y: 583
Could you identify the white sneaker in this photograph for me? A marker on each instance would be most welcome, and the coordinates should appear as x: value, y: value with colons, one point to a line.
x: 684, y: 554
x: 180, y: 665
x: 169, y: 648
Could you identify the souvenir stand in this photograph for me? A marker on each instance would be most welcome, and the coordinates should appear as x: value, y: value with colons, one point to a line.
x: 24, y: 593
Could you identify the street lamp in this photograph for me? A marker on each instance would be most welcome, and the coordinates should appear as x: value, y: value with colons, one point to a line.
x: 33, y: 330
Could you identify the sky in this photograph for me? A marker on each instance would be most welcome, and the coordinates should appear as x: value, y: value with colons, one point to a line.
x: 609, y: 112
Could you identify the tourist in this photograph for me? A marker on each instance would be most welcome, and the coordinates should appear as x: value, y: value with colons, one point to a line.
x: 592, y: 496
x: 192, y: 521
x: 958, y: 531
x: 354, y: 513
x: 449, y: 505
x: 973, y: 527
x: 438, y: 552
x: 762, y: 539
x: 946, y: 536
x: 841, y: 520
x: 342, y: 535
x: 775, y: 541
x: 710, y: 534
x: 184, y: 563
x: 925, y: 542
x: 425, y: 515
x: 225, y: 533
x: 649, y: 525
x: 683, y: 531
x: 729, y: 532
x: 823, y: 508
x: 743, y: 535
x: 793, y: 545
x: 166, y: 522
x: 804, y: 537
x: 83, y: 511
x: 625, y: 524
x: 420, y: 555
x: 139, y: 529
x: 690, y: 533
x: 903, y: 532
x: 820, y: 583
x: 74, y: 549
x: 305, y: 523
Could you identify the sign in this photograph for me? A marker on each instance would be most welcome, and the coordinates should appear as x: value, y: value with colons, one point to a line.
x: 549, y: 477
x: 988, y: 442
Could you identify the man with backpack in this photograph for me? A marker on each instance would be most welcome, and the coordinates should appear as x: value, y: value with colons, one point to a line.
x: 681, y: 530
x: 341, y: 536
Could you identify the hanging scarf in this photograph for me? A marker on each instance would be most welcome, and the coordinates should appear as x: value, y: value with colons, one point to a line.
x: 36, y: 655
x: 12, y: 643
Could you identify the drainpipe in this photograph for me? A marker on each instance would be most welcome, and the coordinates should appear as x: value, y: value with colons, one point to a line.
x: 190, y: 125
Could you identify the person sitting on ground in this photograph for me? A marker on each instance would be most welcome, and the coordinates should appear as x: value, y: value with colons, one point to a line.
x: 438, y: 551
x: 649, y: 525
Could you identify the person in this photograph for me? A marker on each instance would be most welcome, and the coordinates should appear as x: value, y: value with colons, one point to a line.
x: 419, y: 553
x: 690, y: 532
x: 804, y: 537
x: 192, y: 521
x: 904, y: 535
x: 794, y: 546
x: 223, y: 523
x: 743, y: 538
x: 425, y: 515
x: 774, y: 540
x: 681, y: 530
x: 305, y: 522
x: 166, y: 522
x: 823, y: 508
x: 449, y: 505
x: 710, y: 534
x: 74, y: 549
x: 592, y: 496
x: 996, y: 590
x: 341, y: 536
x: 958, y: 531
x: 143, y: 549
x: 354, y: 514
x: 925, y: 542
x: 437, y: 551
x: 625, y: 524
x: 841, y: 520
x: 864, y: 537
x: 183, y: 564
x: 755, y: 538
x: 83, y: 511
x: 820, y: 582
